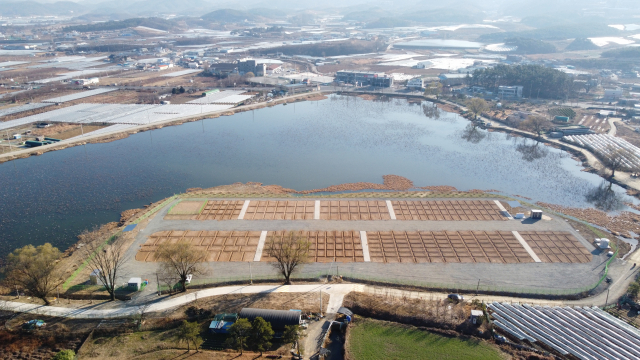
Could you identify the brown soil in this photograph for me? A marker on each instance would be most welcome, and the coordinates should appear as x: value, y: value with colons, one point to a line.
x: 37, y: 345
x: 187, y: 207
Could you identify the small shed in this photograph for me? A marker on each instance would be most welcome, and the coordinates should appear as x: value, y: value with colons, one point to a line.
x: 475, y: 315
x: 278, y: 318
x: 93, y: 277
x: 536, y: 214
x: 134, y: 283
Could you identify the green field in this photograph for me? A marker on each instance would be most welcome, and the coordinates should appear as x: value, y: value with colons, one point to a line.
x: 372, y: 340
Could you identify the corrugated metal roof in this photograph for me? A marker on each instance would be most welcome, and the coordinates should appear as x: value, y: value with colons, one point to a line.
x: 278, y: 318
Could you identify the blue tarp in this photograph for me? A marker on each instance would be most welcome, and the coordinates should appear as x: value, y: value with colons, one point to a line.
x: 513, y: 204
x: 129, y: 227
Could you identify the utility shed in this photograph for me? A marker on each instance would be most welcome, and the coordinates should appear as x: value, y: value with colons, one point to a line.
x: 278, y: 318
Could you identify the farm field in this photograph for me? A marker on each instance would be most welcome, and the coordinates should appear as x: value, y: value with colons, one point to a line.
x: 372, y: 340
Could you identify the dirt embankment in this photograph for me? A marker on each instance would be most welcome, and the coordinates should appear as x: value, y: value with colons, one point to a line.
x: 390, y: 182
x: 619, y: 225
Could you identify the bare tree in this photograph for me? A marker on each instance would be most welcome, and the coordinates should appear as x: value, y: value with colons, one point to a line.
x: 35, y: 270
x: 434, y: 88
x: 182, y: 259
x: 536, y: 124
x: 107, y: 258
x: 477, y: 106
x: 290, y: 250
x: 614, y: 158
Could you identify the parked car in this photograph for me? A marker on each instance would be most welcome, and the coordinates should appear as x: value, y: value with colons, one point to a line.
x: 455, y: 297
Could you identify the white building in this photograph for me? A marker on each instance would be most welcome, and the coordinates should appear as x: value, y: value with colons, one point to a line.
x: 510, y: 91
x: 415, y: 83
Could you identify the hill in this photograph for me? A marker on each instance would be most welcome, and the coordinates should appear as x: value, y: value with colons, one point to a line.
x: 624, y: 53
x: 581, y: 44
x: 155, y: 23
x: 32, y: 8
x: 530, y: 46
x: 366, y: 15
x: 559, y: 32
x: 387, y: 22
x: 230, y: 16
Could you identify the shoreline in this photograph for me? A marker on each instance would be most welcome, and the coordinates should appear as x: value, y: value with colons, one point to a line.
x: 118, y: 135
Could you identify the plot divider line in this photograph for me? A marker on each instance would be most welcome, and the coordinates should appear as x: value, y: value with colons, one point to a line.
x: 263, y: 238
x: 365, y: 246
x: 316, y: 210
x: 392, y: 213
x: 245, y: 206
x: 503, y: 210
x: 526, y: 246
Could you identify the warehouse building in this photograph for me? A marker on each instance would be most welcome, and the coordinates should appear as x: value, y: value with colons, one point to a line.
x: 364, y: 78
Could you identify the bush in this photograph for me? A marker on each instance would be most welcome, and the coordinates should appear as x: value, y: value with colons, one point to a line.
x: 65, y: 355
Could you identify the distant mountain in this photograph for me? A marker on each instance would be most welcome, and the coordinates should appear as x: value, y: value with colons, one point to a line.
x: 154, y: 7
x: 445, y: 15
x: 530, y: 46
x: 581, y: 44
x: 559, y: 32
x: 366, y: 15
x: 230, y: 16
x: 387, y: 22
x: 32, y: 8
x: 155, y: 23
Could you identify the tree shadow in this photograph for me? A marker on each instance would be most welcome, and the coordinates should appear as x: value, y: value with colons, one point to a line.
x: 531, y: 151
x: 604, y: 198
x: 472, y: 134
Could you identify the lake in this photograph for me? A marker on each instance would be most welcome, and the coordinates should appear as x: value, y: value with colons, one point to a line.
x: 307, y: 145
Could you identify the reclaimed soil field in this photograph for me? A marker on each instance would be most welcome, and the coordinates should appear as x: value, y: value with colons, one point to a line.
x: 372, y: 340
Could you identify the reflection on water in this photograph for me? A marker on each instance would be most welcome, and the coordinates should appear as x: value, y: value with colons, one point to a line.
x: 311, y: 145
x: 431, y: 111
x: 604, y: 198
x: 531, y: 149
x: 473, y: 134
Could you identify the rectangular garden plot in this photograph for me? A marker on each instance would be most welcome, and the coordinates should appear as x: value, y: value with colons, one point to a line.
x: 280, y: 210
x: 221, y: 210
x: 445, y: 246
x: 219, y: 245
x: 447, y: 210
x: 328, y: 246
x: 551, y: 246
x: 354, y: 210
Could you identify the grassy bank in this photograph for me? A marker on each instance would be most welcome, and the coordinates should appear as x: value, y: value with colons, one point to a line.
x: 372, y: 340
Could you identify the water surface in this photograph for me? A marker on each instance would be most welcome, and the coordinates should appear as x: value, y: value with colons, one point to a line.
x: 309, y: 145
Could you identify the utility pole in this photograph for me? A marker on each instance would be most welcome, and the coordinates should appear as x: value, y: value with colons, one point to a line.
x: 158, y: 283
x: 607, y: 300
x: 320, y: 302
x: 250, y: 273
x: 478, y: 287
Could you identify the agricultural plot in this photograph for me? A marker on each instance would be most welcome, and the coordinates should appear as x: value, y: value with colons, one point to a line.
x: 372, y: 340
x: 12, y: 63
x: 77, y: 74
x: 556, y: 247
x: 228, y: 97
x: 583, y: 332
x: 447, y: 210
x: 105, y: 130
x: 22, y: 108
x: 132, y: 114
x: 80, y: 95
x: 187, y: 208
x: 379, y: 246
x: 181, y: 73
x: 219, y: 245
x: 607, y: 145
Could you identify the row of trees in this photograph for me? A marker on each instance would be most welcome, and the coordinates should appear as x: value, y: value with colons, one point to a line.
x: 36, y: 270
x: 257, y: 335
x: 537, y: 80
